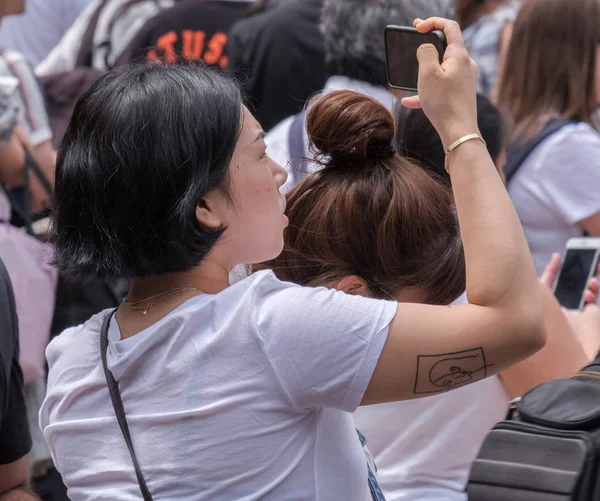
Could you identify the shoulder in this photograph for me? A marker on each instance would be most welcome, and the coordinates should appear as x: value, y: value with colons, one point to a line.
x: 76, y: 343
x: 574, y: 141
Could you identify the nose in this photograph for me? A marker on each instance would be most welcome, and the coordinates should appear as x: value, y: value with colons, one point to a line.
x: 280, y: 174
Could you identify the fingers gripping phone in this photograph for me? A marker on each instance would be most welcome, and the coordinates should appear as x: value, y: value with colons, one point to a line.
x: 401, y: 45
x: 579, y: 264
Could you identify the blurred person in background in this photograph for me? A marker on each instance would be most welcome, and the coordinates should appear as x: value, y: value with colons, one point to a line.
x: 277, y: 56
x: 354, y: 60
x: 15, y: 439
x: 38, y: 30
x: 28, y: 97
x: 551, y: 97
x: 487, y: 27
x: 191, y: 30
x: 26, y: 259
x: 115, y: 23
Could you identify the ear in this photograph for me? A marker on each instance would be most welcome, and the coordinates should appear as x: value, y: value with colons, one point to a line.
x: 206, y: 215
x: 353, y: 285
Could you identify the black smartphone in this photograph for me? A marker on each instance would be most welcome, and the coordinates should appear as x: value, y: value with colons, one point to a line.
x: 579, y: 264
x: 401, y: 45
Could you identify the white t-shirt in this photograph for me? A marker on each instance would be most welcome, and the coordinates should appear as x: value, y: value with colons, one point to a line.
x: 424, y: 448
x: 243, y: 395
x: 558, y: 186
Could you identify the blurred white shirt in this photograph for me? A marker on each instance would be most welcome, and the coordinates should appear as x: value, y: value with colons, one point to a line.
x: 39, y: 29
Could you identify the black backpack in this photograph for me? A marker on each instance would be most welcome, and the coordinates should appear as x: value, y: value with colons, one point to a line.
x: 549, y: 447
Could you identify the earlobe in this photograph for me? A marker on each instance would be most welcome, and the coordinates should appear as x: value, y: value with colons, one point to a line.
x: 354, y: 285
x: 206, y: 217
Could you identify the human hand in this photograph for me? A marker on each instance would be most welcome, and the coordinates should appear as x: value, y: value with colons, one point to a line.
x: 550, y: 273
x: 447, y: 91
x: 586, y: 326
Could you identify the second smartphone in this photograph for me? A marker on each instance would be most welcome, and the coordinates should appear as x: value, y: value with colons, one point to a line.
x: 579, y: 265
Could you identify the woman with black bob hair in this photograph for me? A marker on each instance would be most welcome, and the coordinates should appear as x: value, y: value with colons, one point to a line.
x: 244, y: 392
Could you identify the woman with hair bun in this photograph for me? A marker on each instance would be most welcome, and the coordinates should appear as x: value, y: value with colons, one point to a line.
x: 373, y: 223
x: 423, y: 448
x: 244, y: 391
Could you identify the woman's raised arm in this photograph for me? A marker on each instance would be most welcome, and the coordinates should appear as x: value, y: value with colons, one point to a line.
x: 433, y: 349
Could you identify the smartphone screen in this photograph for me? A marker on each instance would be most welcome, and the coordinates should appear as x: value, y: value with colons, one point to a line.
x: 572, y: 279
x: 401, y: 46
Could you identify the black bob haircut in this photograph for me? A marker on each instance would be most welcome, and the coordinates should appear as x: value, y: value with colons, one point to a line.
x: 416, y: 137
x: 144, y: 145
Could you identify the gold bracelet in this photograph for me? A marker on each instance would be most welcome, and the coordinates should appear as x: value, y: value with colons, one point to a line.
x: 457, y: 143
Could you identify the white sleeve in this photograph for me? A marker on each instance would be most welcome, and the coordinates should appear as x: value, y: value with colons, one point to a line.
x: 28, y: 97
x: 570, y: 175
x: 64, y: 56
x: 323, y: 345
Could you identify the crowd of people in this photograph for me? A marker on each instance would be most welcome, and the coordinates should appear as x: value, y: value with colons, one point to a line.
x: 303, y: 284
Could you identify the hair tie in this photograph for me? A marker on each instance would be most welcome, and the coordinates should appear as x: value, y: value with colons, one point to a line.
x: 380, y: 150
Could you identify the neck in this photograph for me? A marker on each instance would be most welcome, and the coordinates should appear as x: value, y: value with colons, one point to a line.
x: 208, y: 277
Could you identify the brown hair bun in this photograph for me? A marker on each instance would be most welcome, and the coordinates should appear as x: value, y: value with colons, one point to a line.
x: 347, y: 127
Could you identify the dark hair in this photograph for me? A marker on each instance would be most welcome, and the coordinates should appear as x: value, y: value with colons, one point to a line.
x: 550, y: 66
x: 145, y: 144
x: 353, y: 33
x: 468, y: 12
x: 383, y: 219
x: 416, y: 137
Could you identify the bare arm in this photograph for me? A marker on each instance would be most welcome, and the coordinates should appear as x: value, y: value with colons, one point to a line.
x: 14, y: 478
x: 562, y: 357
x: 432, y: 349
x: 12, y: 162
x: 45, y: 156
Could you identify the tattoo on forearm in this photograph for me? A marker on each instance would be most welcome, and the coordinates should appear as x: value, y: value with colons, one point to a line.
x: 441, y: 373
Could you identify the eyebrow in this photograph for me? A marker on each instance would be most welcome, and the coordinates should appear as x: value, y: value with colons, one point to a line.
x: 261, y: 135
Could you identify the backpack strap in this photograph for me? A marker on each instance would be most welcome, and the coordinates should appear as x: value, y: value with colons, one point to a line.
x: 86, y: 48
x: 518, y: 153
x: 296, y: 147
x: 115, y: 397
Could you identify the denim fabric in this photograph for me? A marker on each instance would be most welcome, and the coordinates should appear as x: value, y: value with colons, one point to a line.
x: 373, y: 485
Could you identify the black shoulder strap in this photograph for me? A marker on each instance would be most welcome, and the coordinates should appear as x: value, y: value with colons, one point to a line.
x: 115, y: 396
x: 518, y: 153
x: 86, y: 47
x: 296, y: 147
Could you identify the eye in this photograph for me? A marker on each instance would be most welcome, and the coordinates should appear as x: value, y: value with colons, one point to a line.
x: 264, y: 155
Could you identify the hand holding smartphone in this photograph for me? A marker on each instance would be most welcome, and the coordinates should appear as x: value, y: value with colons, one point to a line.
x: 401, y: 45
x: 579, y: 265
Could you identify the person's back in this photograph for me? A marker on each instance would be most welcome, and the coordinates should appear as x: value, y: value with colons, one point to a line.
x: 278, y: 57
x: 190, y: 30
x: 117, y: 24
x: 203, y: 366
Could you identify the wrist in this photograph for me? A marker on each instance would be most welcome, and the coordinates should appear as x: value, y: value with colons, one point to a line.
x: 452, y: 134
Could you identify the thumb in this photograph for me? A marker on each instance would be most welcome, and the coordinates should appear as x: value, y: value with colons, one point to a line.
x: 429, y: 59
x: 551, y: 270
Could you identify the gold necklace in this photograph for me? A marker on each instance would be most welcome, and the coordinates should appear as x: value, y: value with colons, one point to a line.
x: 144, y: 305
